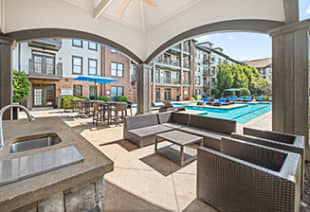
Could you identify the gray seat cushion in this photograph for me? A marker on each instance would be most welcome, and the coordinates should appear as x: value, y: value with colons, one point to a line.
x: 203, y: 132
x: 149, y: 131
x: 174, y: 125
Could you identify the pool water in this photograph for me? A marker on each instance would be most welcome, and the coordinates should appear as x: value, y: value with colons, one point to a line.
x: 242, y: 114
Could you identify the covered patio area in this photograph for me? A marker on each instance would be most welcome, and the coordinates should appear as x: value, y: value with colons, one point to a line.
x: 136, y: 179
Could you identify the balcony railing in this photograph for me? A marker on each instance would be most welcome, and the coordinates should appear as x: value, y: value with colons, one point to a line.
x: 52, y: 44
x: 167, y: 81
x: 44, y: 70
x: 169, y: 61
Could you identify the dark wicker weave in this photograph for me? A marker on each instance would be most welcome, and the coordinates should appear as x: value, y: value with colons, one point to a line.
x: 247, y: 177
x: 284, y: 141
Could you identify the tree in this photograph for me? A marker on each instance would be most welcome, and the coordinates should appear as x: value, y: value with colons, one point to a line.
x: 21, y: 86
x: 240, y: 78
x: 224, y: 77
x: 264, y: 87
x: 245, y: 92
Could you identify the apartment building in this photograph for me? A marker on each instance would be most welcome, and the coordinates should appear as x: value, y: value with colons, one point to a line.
x: 173, y: 73
x: 52, y: 65
x: 207, y: 58
x: 116, y: 65
x: 264, y: 66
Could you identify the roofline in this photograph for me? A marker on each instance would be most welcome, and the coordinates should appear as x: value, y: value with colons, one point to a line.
x: 217, y: 52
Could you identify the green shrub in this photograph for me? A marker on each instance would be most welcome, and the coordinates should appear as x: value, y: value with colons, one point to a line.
x: 122, y: 99
x: 245, y: 92
x: 21, y: 86
x: 81, y: 97
x: 69, y: 99
x: 194, y: 97
x: 104, y: 98
x: 66, y: 99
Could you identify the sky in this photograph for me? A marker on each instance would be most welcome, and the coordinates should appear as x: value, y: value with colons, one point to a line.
x: 240, y: 45
x: 249, y: 46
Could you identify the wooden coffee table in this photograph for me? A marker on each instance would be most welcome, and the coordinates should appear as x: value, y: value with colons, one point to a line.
x: 178, y: 151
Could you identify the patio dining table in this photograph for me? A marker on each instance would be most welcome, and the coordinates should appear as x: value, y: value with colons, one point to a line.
x: 105, y: 106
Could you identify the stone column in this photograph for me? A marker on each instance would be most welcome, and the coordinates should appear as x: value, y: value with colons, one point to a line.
x: 144, y: 88
x: 290, y: 62
x: 5, y: 74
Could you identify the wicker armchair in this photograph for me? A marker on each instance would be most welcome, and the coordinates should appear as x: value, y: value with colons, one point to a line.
x: 279, y: 140
x: 248, y: 177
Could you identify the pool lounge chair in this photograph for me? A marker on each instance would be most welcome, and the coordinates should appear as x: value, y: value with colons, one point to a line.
x: 240, y: 98
x: 232, y: 98
x: 223, y: 101
x: 216, y: 103
x: 206, y: 100
x: 260, y: 98
x: 157, y: 104
x: 248, y: 99
x: 168, y: 106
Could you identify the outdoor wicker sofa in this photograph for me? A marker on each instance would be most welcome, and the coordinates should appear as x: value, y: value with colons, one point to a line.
x: 247, y: 177
x: 279, y: 140
x: 141, y: 130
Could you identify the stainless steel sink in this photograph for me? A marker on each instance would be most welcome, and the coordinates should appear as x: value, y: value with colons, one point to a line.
x: 34, y: 142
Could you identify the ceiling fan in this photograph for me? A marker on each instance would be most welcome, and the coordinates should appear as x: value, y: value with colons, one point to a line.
x: 126, y: 3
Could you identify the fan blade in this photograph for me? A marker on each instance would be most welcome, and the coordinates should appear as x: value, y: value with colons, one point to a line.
x: 151, y: 2
x: 123, y: 7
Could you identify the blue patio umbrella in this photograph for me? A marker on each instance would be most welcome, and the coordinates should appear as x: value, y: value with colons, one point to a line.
x: 96, y: 79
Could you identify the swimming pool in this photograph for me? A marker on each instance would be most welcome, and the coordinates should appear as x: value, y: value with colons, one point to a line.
x: 242, y: 114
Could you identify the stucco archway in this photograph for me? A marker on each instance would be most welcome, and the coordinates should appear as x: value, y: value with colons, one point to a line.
x: 258, y: 26
x: 43, y: 33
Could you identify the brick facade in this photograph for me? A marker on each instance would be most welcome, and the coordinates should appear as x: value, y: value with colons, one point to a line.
x: 107, y: 58
x: 63, y: 83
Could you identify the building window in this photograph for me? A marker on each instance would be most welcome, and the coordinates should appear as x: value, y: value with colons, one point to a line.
x: 77, y: 65
x: 117, y: 91
x: 43, y: 63
x: 168, y: 94
x: 92, y: 45
x: 77, y: 90
x: 117, y: 70
x: 92, y: 66
x: 77, y: 43
x: 198, y: 79
x: 92, y: 92
x: 115, y: 51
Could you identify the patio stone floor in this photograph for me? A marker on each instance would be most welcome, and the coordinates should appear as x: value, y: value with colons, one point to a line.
x: 142, y: 180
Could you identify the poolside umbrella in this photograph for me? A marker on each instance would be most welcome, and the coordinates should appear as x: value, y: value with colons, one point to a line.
x: 232, y: 89
x: 96, y: 79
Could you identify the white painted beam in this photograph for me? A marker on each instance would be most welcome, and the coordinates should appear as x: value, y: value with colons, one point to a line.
x: 101, y: 7
x: 291, y: 11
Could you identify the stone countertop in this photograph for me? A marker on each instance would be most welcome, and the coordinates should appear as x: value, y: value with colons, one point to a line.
x: 24, y: 192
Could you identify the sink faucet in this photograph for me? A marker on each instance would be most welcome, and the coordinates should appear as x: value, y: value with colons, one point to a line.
x: 30, y: 118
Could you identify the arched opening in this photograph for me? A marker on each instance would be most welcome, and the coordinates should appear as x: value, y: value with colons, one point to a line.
x: 53, y: 62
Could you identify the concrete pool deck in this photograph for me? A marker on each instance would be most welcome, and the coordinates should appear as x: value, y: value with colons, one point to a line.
x: 142, y: 180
